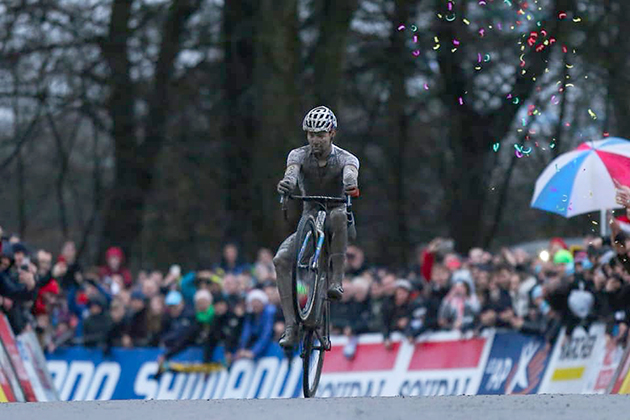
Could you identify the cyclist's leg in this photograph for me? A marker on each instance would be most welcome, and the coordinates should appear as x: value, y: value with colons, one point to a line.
x: 338, y: 228
x: 283, y: 262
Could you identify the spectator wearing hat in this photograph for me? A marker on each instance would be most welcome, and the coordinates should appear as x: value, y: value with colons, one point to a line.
x: 458, y: 311
x: 177, y: 320
x: 397, y: 311
x: 201, y: 331
x: 258, y: 326
x: 114, y: 265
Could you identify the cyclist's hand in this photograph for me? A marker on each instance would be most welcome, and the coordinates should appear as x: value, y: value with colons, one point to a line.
x: 351, y: 190
x: 285, y: 186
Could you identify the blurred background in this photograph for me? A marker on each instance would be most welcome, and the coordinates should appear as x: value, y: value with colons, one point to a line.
x: 163, y: 126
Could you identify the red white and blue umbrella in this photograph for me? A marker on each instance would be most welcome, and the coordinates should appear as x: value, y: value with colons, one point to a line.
x: 581, y: 181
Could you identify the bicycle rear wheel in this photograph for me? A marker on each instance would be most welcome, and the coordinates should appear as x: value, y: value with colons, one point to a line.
x: 305, y: 275
x: 314, y: 349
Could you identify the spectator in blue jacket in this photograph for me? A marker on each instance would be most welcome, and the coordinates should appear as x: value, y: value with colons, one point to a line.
x: 258, y: 327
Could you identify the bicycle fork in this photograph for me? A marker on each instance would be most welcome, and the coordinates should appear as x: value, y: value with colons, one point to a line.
x: 319, y: 226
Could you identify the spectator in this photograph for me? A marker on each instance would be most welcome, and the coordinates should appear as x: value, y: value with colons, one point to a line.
x: 137, y: 326
x: 73, y: 271
x: 355, y: 261
x: 342, y: 317
x: 362, y: 313
x: 271, y: 290
x: 201, y: 331
x: 97, y: 326
x: 616, y: 300
x: 119, y: 333
x: 497, y: 304
x: 177, y: 320
x: 258, y: 326
x: 231, y: 262
x: 155, y: 319
x: 264, y: 269
x: 457, y: 311
x: 397, y: 311
x: 114, y: 266
x: 437, y: 289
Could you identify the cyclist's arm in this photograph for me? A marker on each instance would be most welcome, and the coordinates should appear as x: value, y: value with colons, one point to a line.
x: 351, y: 175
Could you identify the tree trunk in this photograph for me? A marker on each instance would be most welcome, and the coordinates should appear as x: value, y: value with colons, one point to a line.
x: 335, y: 16
x: 238, y: 126
x: 134, y: 159
x: 400, y: 69
x: 278, y: 116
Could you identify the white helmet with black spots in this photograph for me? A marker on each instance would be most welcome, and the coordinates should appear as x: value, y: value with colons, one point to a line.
x: 319, y: 119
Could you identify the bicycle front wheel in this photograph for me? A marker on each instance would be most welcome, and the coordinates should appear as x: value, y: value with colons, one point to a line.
x: 305, y: 268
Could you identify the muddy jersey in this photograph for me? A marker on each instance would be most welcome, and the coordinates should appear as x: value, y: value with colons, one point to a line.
x: 326, y: 180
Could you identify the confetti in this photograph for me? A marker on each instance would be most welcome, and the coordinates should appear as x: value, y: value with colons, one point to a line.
x: 562, y: 15
x: 592, y: 114
x: 415, y: 38
x: 416, y: 53
x: 455, y: 42
x: 478, y: 57
x: 486, y: 58
x: 461, y: 100
x: 401, y: 27
x: 496, y: 146
x: 414, y: 28
x: 482, y: 31
x: 577, y: 19
x: 466, y: 21
x: 594, y: 222
x: 451, y: 18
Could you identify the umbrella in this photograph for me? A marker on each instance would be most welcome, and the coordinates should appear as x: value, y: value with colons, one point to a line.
x: 581, y: 181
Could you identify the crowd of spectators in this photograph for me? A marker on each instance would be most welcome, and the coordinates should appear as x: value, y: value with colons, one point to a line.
x: 236, y: 304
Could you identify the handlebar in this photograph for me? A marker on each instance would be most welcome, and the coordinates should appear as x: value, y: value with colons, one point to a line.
x: 321, y: 198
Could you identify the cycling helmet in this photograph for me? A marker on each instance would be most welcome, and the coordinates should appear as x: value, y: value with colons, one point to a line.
x: 319, y: 119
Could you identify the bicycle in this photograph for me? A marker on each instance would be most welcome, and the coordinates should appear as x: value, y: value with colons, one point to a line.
x: 310, y: 284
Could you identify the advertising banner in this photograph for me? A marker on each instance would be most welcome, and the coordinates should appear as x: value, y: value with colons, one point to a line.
x: 438, y: 364
x: 23, y: 389
x: 35, y: 364
x: 9, y: 384
x: 621, y: 379
x: 572, y: 361
x: 516, y: 364
x: 88, y: 374
x: 605, y: 363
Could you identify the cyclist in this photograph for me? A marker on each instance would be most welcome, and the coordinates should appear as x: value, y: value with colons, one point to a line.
x: 319, y: 168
